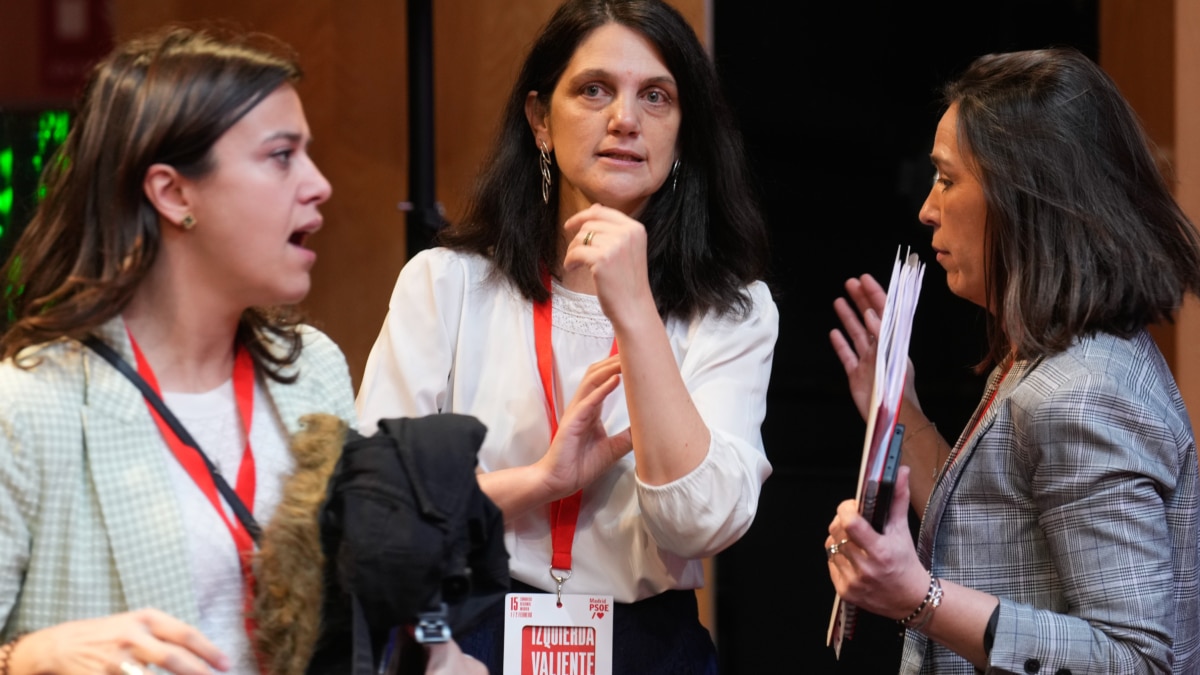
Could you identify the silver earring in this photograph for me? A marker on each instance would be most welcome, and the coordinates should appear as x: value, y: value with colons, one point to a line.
x: 675, y: 175
x: 188, y: 222
x: 544, y: 163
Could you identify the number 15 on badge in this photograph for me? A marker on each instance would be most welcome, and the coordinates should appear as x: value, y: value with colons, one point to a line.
x: 542, y: 638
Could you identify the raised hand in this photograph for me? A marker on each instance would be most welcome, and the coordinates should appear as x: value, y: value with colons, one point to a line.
x: 856, y: 348
x: 582, y: 449
x: 118, y: 644
x: 612, y: 247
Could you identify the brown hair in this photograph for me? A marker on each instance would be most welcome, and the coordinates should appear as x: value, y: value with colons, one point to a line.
x: 1083, y: 234
x: 164, y: 98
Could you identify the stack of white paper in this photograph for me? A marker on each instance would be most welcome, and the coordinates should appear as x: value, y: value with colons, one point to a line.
x: 891, y: 360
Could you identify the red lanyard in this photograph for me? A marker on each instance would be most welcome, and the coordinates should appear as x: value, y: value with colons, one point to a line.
x: 564, y: 513
x: 193, y: 463
x: 980, y: 416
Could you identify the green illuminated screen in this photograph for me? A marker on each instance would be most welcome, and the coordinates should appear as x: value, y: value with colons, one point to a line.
x: 27, y: 140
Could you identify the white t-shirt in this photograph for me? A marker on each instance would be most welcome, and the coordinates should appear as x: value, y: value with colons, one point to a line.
x: 456, y: 341
x: 212, y: 420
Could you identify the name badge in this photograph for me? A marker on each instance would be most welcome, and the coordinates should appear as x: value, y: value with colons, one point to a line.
x: 542, y: 638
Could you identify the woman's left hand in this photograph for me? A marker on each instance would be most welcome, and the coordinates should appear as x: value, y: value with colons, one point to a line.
x: 612, y: 246
x: 447, y: 659
x: 582, y: 450
x: 877, y: 572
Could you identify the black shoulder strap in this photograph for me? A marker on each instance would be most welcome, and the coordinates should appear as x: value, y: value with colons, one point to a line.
x: 235, y: 502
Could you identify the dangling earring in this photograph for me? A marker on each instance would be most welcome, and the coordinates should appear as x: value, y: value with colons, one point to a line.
x: 675, y: 175
x: 544, y: 163
x: 188, y: 222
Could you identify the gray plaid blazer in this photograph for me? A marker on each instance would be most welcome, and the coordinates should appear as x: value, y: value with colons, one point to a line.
x: 89, y: 525
x: 1073, y: 499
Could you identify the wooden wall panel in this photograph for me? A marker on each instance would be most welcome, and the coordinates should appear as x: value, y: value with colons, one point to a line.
x: 478, y: 48
x: 1152, y: 49
x: 19, y: 40
x: 21, y: 43
x: 1187, y: 172
x: 1137, y: 49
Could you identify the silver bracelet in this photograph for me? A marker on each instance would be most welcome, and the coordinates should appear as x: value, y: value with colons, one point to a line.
x: 933, y: 600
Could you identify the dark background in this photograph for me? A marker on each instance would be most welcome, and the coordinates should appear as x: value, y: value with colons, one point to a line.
x: 838, y: 102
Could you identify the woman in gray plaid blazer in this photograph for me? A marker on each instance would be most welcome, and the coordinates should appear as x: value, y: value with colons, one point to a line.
x: 1059, y: 534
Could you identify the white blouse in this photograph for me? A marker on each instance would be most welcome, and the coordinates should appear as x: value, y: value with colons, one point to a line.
x: 457, y: 340
x: 212, y: 420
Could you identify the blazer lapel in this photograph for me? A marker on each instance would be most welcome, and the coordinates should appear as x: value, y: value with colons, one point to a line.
x: 126, y: 459
x: 289, y: 404
x: 1002, y: 382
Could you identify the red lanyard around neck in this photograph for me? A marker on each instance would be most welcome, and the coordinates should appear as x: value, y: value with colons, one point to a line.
x: 191, y: 461
x: 979, y: 418
x: 564, y: 513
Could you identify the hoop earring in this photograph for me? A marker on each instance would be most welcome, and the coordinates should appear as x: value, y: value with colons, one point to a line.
x: 675, y: 175
x: 544, y: 164
x: 188, y: 222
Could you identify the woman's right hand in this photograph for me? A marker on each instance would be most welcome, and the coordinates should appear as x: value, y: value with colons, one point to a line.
x: 582, y: 449
x: 856, y: 348
x: 140, y: 638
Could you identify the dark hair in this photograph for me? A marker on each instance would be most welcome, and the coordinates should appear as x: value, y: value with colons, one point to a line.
x: 164, y: 98
x: 705, y: 236
x: 1083, y: 234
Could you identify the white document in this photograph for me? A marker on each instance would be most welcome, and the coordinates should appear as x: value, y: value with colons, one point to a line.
x: 891, y: 361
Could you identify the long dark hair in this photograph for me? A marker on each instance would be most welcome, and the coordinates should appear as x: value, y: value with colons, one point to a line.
x: 165, y: 98
x: 705, y: 236
x: 1083, y: 234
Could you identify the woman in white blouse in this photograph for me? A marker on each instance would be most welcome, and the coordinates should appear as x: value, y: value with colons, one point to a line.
x: 613, y: 232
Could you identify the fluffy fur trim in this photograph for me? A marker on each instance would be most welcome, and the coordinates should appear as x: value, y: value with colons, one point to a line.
x: 289, y: 567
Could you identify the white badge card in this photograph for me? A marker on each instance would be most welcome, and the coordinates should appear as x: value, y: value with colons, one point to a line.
x: 541, y: 638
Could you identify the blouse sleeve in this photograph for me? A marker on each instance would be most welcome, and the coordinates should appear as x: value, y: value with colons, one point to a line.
x: 726, y: 369
x: 407, y: 372
x: 1103, y: 463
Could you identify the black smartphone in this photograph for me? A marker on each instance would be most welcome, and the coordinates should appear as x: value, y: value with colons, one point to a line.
x: 887, y: 483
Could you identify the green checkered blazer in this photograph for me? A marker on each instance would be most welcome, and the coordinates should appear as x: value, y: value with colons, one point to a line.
x: 89, y: 525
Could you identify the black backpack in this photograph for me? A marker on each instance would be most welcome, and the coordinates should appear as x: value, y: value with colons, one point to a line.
x: 414, y: 549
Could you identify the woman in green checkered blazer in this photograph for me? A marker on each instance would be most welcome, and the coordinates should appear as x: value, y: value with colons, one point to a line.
x: 173, y: 231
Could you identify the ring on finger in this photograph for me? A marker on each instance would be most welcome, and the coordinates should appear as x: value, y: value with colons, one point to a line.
x: 587, y: 238
x: 834, y: 549
x: 870, y: 339
x: 131, y: 668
